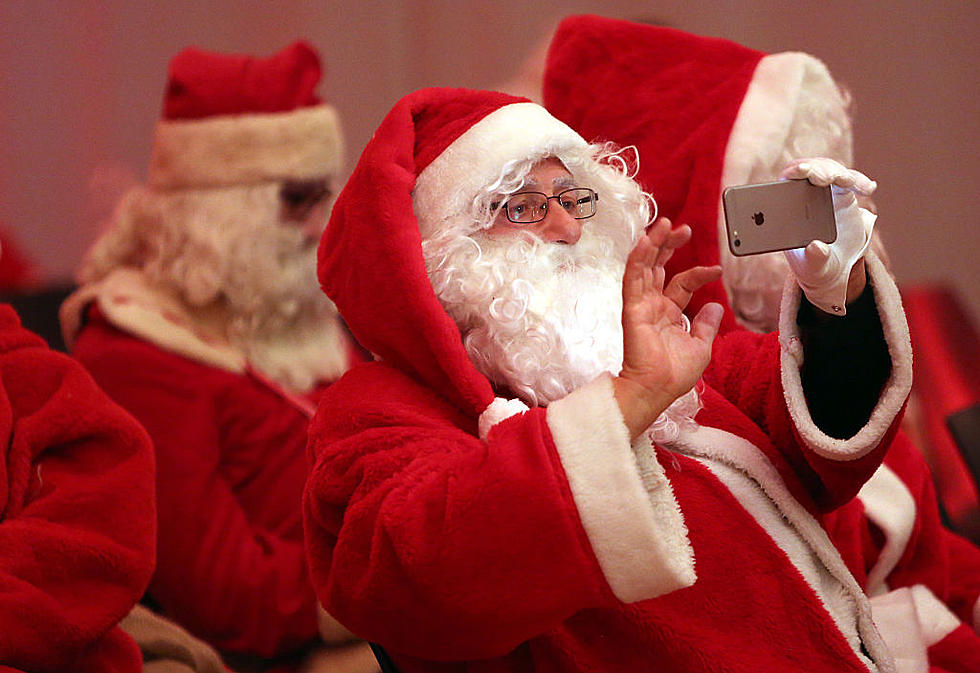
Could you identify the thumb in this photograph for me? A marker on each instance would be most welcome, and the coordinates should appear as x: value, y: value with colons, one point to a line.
x: 817, y: 253
x: 706, y: 323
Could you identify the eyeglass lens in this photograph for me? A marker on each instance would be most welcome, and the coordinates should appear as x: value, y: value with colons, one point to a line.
x: 530, y: 207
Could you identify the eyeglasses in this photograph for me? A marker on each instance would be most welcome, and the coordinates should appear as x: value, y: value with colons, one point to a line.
x: 531, y: 207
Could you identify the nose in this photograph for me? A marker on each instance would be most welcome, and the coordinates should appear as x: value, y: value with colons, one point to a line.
x: 560, y: 227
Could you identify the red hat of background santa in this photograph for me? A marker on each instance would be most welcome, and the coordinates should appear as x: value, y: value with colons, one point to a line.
x: 426, y: 162
x: 232, y: 119
x: 704, y: 114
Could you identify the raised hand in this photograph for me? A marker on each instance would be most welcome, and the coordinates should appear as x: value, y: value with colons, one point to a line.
x: 830, y: 275
x: 662, y: 359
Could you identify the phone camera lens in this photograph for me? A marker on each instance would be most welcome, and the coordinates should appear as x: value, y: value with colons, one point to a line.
x: 737, y: 242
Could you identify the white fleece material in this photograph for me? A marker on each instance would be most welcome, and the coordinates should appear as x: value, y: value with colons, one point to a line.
x: 889, y: 504
x: 895, y: 391
x: 304, y: 143
x: 625, y: 502
x: 911, y: 620
x: 753, y: 480
x: 130, y: 304
x: 762, y: 128
x: 513, y: 132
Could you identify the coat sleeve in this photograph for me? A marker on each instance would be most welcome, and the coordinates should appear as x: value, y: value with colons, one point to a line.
x: 77, y: 525
x: 763, y: 375
x: 446, y: 546
x: 228, y: 580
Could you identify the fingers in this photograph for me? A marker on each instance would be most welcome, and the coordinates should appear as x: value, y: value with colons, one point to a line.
x: 665, y: 240
x: 637, y: 269
x: 822, y: 171
x: 706, y: 323
x: 645, y: 264
x: 683, y: 285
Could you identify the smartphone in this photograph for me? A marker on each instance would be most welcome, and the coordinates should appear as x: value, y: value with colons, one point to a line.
x: 778, y: 216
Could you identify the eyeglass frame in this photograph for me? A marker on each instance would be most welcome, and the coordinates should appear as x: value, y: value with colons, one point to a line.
x: 503, y: 204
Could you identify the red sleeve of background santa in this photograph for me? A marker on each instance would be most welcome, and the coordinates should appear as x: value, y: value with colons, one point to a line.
x: 77, y: 526
x: 672, y: 95
x: 222, y: 572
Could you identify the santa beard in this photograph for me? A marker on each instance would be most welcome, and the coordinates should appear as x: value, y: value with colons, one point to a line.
x: 287, y: 327
x: 542, y: 319
x: 755, y: 286
x: 279, y: 316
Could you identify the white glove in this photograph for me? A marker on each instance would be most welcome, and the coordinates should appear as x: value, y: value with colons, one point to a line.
x: 822, y: 270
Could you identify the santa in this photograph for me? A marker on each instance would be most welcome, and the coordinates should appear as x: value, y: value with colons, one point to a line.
x: 771, y: 110
x: 199, y: 311
x: 547, y: 466
x: 76, y: 513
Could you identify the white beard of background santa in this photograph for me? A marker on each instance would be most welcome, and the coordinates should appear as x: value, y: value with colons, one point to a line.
x: 242, y: 271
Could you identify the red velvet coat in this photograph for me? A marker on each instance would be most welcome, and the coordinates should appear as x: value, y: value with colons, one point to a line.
x: 550, y: 543
x: 230, y: 473
x: 898, y: 549
x: 76, y: 513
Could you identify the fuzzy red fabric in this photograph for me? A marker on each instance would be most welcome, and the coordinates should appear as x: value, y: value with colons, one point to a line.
x: 230, y: 472
x: 457, y: 553
x: 676, y: 98
x: 946, y: 563
x: 77, y: 518
x: 389, y: 305
x: 203, y: 83
x: 959, y: 652
x: 444, y: 547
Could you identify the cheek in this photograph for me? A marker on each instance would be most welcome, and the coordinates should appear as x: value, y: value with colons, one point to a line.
x: 504, y: 228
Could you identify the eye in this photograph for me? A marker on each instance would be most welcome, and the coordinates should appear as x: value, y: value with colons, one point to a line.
x: 298, y: 197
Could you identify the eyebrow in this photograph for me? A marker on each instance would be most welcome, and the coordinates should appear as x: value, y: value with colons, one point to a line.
x: 560, y: 181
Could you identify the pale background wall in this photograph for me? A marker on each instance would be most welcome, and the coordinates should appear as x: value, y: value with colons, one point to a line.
x: 81, y: 81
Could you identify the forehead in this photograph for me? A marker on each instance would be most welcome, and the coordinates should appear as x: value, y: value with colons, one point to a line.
x: 550, y: 171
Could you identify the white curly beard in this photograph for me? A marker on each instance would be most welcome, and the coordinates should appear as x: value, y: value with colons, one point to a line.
x: 288, y: 328
x: 539, y: 318
x: 542, y: 319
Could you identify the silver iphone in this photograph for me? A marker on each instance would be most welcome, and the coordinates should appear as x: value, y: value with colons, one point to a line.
x: 778, y: 216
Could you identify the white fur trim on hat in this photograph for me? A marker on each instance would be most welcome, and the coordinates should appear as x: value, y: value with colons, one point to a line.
x: 240, y: 149
x: 499, y: 410
x: 764, y: 128
x: 514, y: 132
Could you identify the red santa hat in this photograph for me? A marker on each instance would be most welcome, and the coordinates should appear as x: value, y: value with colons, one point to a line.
x: 431, y: 155
x: 704, y: 113
x: 233, y: 119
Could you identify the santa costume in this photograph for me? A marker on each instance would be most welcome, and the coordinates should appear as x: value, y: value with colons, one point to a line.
x: 76, y: 514
x: 229, y: 430
x: 461, y: 535
x: 924, y: 580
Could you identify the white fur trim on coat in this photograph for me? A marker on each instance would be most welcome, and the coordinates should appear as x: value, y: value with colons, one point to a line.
x: 625, y: 502
x: 130, y: 304
x: 889, y: 504
x: 893, y: 394
x: 726, y: 455
x: 911, y: 620
x: 511, y: 133
x: 242, y: 149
